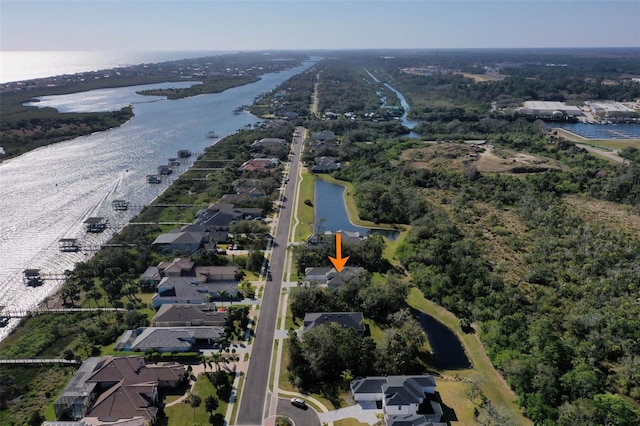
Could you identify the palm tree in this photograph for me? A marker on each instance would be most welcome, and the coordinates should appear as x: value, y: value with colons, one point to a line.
x: 346, y: 376
x: 217, y: 358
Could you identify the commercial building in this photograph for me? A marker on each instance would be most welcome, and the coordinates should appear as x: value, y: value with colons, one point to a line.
x: 548, y: 110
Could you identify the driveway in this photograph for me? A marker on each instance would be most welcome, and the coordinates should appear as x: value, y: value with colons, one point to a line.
x: 369, y: 415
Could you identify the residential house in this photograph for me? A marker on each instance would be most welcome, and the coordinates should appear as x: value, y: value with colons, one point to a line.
x: 354, y: 320
x: 219, y: 216
x: 331, y: 278
x: 405, y: 400
x: 325, y: 164
x: 268, y: 143
x: 324, y: 135
x: 184, y: 242
x: 178, y: 267
x: 185, y: 315
x: 168, y: 339
x: 210, y: 282
x: 348, y: 237
x: 260, y: 164
x: 214, y: 236
x: 116, y: 391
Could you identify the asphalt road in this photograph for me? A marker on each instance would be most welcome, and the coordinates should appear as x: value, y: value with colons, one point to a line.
x: 252, y: 402
x: 299, y: 416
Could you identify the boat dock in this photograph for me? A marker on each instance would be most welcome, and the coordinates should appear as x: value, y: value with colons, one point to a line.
x: 96, y: 224
x: 120, y: 205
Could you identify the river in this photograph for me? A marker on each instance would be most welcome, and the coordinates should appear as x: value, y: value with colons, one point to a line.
x: 403, y: 101
x: 46, y: 194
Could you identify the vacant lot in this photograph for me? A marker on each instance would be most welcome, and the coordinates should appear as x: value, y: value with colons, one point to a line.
x: 486, y: 159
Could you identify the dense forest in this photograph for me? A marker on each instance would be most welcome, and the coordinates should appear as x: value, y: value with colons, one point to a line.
x: 554, y: 292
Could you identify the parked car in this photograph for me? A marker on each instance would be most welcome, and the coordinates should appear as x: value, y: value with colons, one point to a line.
x: 298, y: 403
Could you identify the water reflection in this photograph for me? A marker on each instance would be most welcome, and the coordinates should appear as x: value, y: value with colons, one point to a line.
x: 331, y: 212
x: 447, y: 349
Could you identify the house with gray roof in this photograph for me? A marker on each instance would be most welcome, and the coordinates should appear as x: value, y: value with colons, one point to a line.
x: 116, y: 391
x: 191, y: 290
x: 167, y: 339
x: 220, y: 215
x: 184, y: 315
x: 349, y: 237
x: 324, y: 135
x: 325, y: 164
x: 331, y: 278
x: 354, y: 320
x: 406, y: 400
x: 184, y: 242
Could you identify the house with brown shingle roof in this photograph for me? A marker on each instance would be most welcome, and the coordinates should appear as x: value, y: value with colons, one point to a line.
x: 111, y: 389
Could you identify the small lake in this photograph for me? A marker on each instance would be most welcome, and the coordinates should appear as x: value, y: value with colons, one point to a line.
x: 601, y: 131
x: 331, y: 212
x: 447, y: 350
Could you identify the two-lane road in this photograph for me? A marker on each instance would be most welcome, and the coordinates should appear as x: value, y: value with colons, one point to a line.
x: 252, y: 402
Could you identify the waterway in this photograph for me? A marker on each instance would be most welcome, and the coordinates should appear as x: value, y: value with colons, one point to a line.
x: 46, y: 194
x: 409, y: 124
x: 331, y: 212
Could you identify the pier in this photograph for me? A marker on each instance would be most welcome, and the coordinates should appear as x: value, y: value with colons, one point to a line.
x: 120, y: 205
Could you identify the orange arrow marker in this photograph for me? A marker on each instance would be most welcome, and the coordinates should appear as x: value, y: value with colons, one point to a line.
x: 338, y: 261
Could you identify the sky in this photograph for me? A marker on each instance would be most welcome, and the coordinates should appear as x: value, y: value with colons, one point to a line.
x: 138, y: 25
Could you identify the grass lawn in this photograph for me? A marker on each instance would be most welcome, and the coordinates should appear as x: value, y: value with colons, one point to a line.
x: 349, y: 422
x: 458, y: 408
x: 491, y: 382
x: 305, y: 213
x: 183, y: 414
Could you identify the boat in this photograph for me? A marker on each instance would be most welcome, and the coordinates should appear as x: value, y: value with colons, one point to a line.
x: 212, y: 135
x: 184, y: 153
x: 174, y: 162
x: 154, y: 179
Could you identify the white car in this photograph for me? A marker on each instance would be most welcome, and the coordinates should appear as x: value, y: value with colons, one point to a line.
x: 298, y: 402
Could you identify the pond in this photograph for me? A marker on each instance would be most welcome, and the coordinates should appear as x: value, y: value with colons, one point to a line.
x: 331, y: 212
x: 447, y: 349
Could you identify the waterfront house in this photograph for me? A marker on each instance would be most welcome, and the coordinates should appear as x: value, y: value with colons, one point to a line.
x: 184, y: 315
x: 113, y: 389
x: 184, y: 242
x: 260, y: 165
x: 168, y: 339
